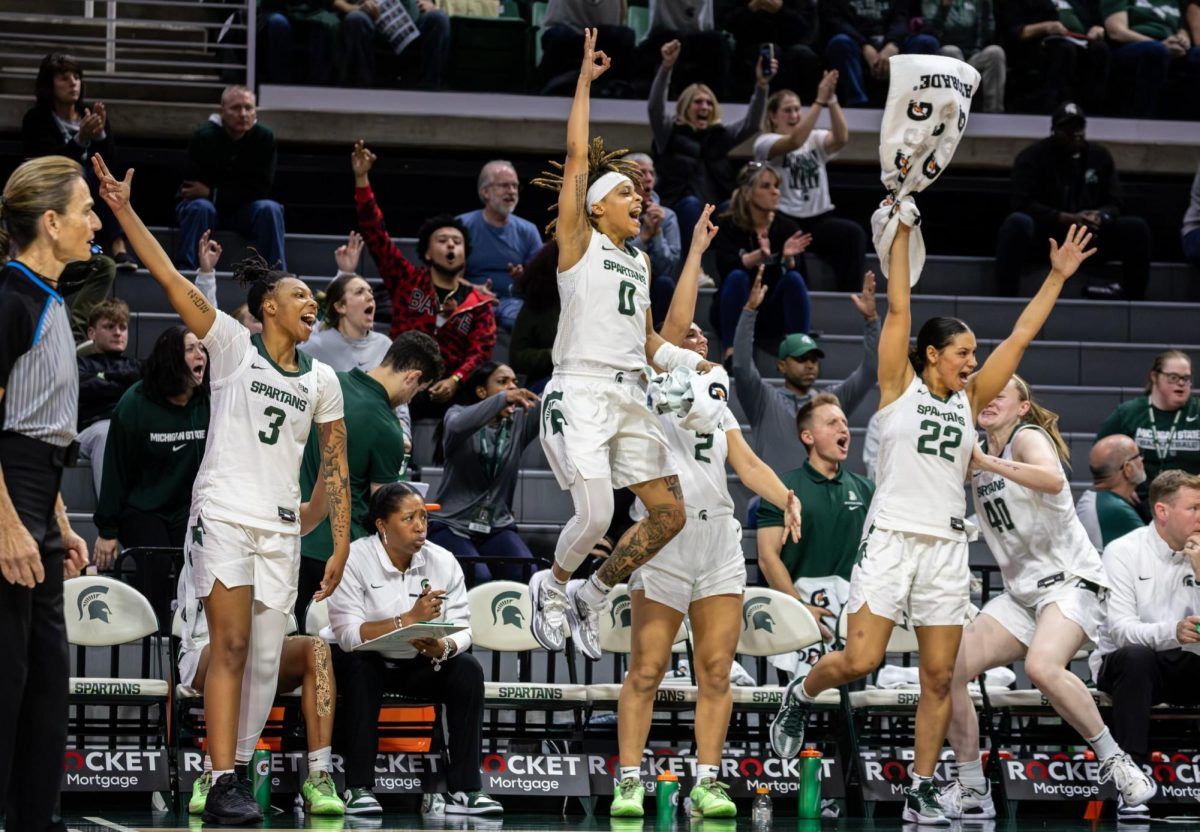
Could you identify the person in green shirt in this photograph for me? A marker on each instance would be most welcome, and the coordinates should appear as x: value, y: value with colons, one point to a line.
x: 1150, y: 43
x: 966, y: 30
x: 375, y: 451
x: 1165, y: 422
x: 1108, y: 509
x: 816, y: 569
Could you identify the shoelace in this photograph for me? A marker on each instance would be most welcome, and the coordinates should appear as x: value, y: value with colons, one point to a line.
x: 325, y: 786
x: 716, y: 788
x: 1113, y: 769
x: 794, y: 717
x: 953, y: 793
x: 554, y: 607
x: 629, y: 787
x: 927, y: 798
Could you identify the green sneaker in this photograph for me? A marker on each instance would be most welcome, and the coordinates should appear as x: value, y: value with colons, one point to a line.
x: 627, y: 799
x: 320, y: 795
x: 361, y: 802
x: 710, y: 799
x: 200, y: 793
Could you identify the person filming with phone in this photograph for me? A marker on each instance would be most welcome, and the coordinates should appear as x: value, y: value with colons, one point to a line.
x: 394, y: 579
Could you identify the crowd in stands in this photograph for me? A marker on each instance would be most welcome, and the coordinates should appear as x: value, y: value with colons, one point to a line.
x: 143, y: 425
x: 1117, y: 57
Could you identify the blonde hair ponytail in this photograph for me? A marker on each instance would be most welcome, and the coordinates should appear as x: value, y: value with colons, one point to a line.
x: 37, y: 186
x: 1043, y: 418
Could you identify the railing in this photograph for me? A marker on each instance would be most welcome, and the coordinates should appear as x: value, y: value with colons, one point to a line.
x: 171, y: 50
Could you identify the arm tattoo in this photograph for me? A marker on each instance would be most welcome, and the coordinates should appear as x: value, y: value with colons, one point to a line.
x: 337, y: 480
x: 581, y: 195
x: 198, y: 300
x: 644, y: 540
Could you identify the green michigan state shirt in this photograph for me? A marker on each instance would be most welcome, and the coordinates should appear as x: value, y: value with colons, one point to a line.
x: 1168, y: 438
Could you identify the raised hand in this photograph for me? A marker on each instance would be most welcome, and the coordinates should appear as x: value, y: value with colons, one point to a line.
x: 349, y: 254
x: 113, y: 191
x: 827, y: 89
x: 705, y: 231
x: 670, y: 53
x: 758, y: 291
x: 209, y: 253
x: 796, y: 244
x: 90, y: 126
x: 865, y: 302
x: 361, y: 161
x: 595, y: 63
x: 1067, y: 258
x: 521, y: 397
x: 760, y: 76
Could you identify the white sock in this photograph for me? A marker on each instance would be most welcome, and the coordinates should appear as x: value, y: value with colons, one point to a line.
x: 628, y: 772
x: 971, y: 775
x: 320, y: 760
x: 802, y: 694
x: 1104, y: 745
x: 561, y: 586
x: 706, y: 772
x: 207, y: 764
x: 593, y: 592
x: 918, y: 779
x: 217, y: 775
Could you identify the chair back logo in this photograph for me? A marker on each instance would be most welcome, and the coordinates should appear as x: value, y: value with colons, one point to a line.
x: 506, y: 609
x: 756, y: 614
x: 91, y: 601
x: 620, y: 615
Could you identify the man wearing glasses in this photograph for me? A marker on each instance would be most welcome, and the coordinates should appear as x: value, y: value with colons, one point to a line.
x: 501, y: 242
x: 1108, y: 509
x: 1165, y: 422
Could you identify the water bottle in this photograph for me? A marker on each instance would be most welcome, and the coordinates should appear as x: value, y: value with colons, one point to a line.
x: 810, y: 784
x: 760, y: 812
x: 666, y: 795
x: 260, y: 776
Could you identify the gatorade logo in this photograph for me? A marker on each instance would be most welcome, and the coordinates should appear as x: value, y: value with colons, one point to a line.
x: 940, y: 129
x: 962, y: 119
x: 718, y: 391
x: 903, y: 162
x: 919, y: 110
x: 931, y: 168
x: 262, y: 766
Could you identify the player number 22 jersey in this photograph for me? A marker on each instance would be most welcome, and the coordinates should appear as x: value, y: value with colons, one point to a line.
x: 261, y: 419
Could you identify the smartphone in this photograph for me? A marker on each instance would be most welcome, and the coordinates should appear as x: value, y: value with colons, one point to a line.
x: 766, y: 54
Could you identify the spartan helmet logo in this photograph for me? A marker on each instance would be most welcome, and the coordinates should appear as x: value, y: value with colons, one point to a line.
x: 552, y: 417
x: 919, y: 110
x: 756, y: 614
x: 703, y: 514
x: 620, y: 614
x: 91, y: 601
x: 718, y: 391
x: 931, y: 168
x: 940, y: 129
x: 506, y: 609
x: 903, y: 163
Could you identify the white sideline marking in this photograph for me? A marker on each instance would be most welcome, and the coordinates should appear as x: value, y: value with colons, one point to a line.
x: 110, y: 824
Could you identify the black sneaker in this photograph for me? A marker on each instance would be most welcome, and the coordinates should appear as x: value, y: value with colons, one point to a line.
x: 231, y: 803
x: 125, y: 262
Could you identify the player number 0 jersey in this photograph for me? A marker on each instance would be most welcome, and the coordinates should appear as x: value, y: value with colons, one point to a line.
x: 261, y: 418
x: 604, y: 301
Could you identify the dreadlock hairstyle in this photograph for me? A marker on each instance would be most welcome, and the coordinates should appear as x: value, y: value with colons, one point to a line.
x: 600, y: 162
x: 259, y: 279
x: 1044, y: 418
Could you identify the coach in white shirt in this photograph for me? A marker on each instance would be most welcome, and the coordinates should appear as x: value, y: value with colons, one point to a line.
x: 1143, y: 654
x: 395, y: 578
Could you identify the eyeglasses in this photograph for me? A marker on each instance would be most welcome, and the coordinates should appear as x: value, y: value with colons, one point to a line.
x: 1133, y: 458
x: 1177, y: 378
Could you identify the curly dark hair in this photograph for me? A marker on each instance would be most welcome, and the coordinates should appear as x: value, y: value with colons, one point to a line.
x: 259, y: 279
x: 430, y: 227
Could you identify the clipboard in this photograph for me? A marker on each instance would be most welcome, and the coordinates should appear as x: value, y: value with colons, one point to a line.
x: 397, y: 641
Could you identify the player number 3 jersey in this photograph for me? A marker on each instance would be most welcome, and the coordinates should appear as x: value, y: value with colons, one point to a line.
x: 604, y: 301
x: 261, y: 418
x: 924, y: 453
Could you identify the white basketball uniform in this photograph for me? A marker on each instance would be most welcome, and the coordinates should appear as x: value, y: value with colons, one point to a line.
x: 1043, y: 550
x: 244, y: 527
x: 913, y: 557
x: 704, y: 559
x: 595, y: 420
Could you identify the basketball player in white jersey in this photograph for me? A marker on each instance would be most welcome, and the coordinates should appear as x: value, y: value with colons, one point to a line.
x: 243, y: 542
x: 597, y: 431
x: 1054, y: 583
x: 913, y: 558
x: 701, y: 574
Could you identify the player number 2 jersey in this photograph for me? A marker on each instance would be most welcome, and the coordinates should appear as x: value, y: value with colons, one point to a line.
x: 261, y: 418
x: 701, y: 460
x: 604, y: 301
x: 1036, y: 538
x: 924, y: 452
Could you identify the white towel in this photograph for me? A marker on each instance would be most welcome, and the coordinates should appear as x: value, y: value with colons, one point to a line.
x: 929, y: 99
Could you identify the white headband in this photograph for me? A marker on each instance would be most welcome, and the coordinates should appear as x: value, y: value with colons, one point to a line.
x: 603, y: 186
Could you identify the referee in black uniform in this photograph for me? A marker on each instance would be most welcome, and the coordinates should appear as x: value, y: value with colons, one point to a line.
x: 46, y: 221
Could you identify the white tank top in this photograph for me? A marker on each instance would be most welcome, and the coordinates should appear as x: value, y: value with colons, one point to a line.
x: 1037, y: 539
x: 924, y: 452
x: 701, y: 460
x: 604, y: 301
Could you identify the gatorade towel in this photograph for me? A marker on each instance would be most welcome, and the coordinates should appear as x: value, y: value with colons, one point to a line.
x: 928, y: 102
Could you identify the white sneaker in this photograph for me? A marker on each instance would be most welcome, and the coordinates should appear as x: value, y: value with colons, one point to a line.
x: 549, y: 625
x: 585, y: 622
x: 921, y: 806
x: 1132, y: 814
x: 961, y: 802
x: 433, y: 804
x: 1133, y: 783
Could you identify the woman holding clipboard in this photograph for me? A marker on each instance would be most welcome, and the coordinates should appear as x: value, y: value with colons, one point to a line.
x: 396, y: 579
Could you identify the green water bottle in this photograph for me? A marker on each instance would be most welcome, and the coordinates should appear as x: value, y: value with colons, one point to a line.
x: 810, y: 784
x: 666, y: 796
x: 260, y: 776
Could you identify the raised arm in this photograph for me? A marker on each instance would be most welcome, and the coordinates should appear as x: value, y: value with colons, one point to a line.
x: 573, y: 229
x: 187, y: 300
x: 800, y: 133
x: 1065, y: 260
x: 683, y: 302
x: 1034, y: 465
x: 660, y: 122
x: 839, y: 135
x: 895, y: 370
